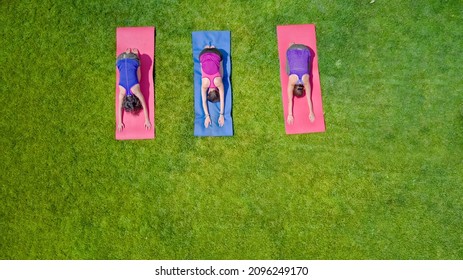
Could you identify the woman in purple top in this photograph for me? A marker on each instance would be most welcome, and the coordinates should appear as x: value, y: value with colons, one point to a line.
x: 297, y: 67
x: 130, y: 97
x: 212, y: 89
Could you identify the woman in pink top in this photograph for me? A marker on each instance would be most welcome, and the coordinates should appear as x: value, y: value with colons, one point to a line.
x: 210, y: 60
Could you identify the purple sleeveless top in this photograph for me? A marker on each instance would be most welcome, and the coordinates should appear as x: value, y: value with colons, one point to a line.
x: 210, y: 63
x: 298, y: 61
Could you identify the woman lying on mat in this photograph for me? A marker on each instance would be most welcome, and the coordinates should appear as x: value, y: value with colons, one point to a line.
x: 212, y: 89
x: 297, y: 67
x: 130, y: 97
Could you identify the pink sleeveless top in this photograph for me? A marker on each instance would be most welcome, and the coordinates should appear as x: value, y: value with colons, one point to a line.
x: 210, y: 63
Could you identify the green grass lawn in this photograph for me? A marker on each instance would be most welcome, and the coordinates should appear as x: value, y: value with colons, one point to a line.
x: 383, y: 182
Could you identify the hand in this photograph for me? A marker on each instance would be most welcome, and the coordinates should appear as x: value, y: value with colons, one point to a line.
x: 221, y: 120
x: 147, y: 124
x: 290, y: 119
x: 207, y: 121
x: 311, y: 117
x: 120, y: 126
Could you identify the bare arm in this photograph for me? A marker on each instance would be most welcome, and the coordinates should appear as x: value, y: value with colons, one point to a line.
x: 308, y: 93
x: 143, y: 104
x: 204, y: 87
x: 222, y: 96
x: 120, y: 124
x: 290, y: 118
x: 221, y: 89
x: 204, y: 101
x: 207, y: 120
x: 222, y: 104
x: 136, y: 90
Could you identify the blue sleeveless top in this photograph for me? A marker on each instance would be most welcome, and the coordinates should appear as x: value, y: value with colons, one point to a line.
x: 128, y: 73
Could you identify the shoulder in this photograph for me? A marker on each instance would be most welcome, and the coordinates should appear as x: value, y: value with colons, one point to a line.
x: 305, y: 78
x: 218, y: 81
x: 205, y: 82
x: 293, y: 78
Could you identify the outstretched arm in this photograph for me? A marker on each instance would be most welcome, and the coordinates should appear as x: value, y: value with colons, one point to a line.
x: 204, y: 86
x: 222, y: 97
x: 120, y: 124
x: 207, y: 121
x: 290, y: 118
x: 136, y: 90
x: 222, y: 103
x: 308, y: 93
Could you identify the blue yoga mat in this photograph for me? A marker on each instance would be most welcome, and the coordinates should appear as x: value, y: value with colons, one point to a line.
x: 221, y: 40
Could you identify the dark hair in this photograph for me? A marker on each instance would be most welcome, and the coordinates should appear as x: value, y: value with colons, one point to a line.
x: 298, y: 90
x: 131, y: 103
x: 213, y: 95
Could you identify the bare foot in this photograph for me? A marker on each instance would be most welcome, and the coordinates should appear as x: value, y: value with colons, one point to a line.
x: 135, y: 51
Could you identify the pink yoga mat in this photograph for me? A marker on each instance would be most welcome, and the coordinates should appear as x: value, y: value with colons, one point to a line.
x: 301, y: 34
x: 141, y: 38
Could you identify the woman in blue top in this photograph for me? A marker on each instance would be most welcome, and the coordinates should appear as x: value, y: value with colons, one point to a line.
x: 297, y: 67
x: 130, y: 97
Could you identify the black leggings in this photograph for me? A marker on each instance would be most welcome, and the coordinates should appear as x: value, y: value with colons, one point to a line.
x: 298, y: 46
x: 128, y: 55
x: 211, y: 50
